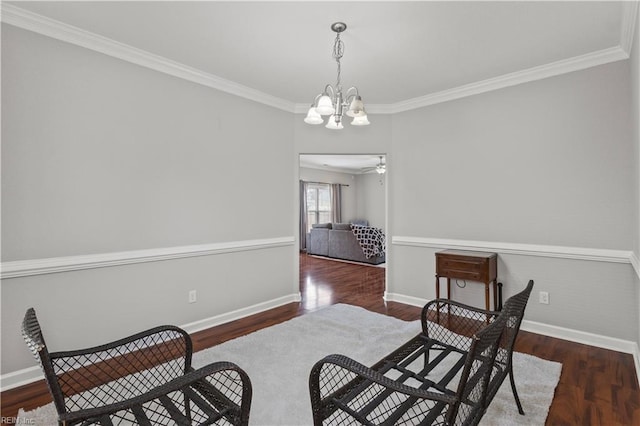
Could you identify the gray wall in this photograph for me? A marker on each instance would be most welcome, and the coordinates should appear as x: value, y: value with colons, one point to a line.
x: 372, y: 190
x: 545, y: 163
x: 101, y: 156
x: 548, y: 162
x: 375, y: 138
x: 634, y: 65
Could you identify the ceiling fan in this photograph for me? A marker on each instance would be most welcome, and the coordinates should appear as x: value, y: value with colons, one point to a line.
x: 380, y: 168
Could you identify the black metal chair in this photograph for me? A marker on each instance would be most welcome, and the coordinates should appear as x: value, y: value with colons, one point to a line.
x: 446, y: 375
x: 465, y: 320
x: 144, y: 379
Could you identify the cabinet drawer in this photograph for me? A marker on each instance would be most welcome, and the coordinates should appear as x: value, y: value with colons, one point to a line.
x: 462, y: 265
x: 462, y: 269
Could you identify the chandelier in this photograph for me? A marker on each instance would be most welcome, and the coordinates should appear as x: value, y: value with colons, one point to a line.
x: 332, y: 101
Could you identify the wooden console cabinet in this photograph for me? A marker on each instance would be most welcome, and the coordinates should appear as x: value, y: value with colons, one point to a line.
x: 473, y: 266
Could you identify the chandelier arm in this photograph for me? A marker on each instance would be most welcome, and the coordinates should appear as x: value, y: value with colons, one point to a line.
x: 329, y: 88
x: 351, y: 93
x: 315, y: 100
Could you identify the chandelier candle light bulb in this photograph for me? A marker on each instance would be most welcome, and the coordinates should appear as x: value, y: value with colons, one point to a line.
x: 332, y: 102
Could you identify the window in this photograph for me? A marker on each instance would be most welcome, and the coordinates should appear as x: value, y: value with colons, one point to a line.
x: 318, y: 204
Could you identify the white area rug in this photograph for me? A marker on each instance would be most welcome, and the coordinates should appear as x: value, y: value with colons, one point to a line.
x: 278, y: 360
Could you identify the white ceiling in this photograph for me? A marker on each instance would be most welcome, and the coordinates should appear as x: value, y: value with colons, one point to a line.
x: 345, y: 163
x: 400, y: 54
x: 394, y: 51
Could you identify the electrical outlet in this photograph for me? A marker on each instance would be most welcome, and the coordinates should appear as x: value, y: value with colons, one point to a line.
x: 192, y: 296
x: 544, y: 297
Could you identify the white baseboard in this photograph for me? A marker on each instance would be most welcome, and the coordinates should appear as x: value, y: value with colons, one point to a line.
x: 636, y: 360
x: 407, y: 300
x: 216, y: 320
x: 33, y: 374
x: 20, y: 378
x: 592, y: 339
x: 577, y: 336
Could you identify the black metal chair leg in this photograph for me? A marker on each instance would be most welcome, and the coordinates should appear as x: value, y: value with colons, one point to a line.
x: 515, y: 392
x: 187, y: 406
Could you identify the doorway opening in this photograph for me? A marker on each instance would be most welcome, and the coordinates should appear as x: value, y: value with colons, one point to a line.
x: 342, y: 197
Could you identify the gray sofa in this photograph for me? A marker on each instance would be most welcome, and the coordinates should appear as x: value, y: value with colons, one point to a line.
x: 336, y: 240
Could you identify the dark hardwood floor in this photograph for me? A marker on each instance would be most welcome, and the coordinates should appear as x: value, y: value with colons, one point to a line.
x: 597, y: 386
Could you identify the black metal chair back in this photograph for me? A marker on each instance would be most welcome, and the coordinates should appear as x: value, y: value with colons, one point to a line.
x: 145, y: 378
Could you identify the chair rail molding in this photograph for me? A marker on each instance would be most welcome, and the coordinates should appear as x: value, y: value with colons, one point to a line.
x: 635, y: 262
x: 563, y: 252
x: 25, y: 268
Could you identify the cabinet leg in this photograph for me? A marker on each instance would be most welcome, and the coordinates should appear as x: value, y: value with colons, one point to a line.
x: 437, y: 297
x: 448, y: 298
x: 495, y: 296
x: 487, y: 300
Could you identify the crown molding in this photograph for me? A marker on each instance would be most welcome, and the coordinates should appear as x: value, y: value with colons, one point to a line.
x: 564, y: 66
x: 301, y: 108
x: 541, y: 72
x: 25, y: 268
x: 27, y: 20
x: 629, y: 18
x: 22, y: 18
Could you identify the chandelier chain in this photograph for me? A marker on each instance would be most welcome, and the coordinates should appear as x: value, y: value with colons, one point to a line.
x: 338, y: 52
